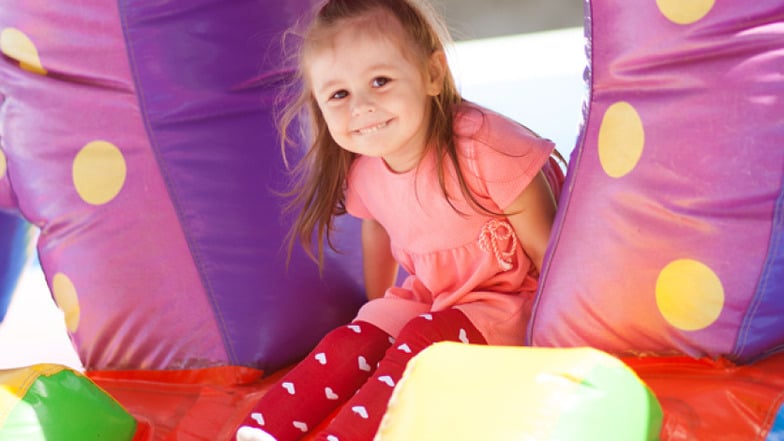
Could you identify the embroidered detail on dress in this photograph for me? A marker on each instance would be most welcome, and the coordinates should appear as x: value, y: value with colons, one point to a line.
x: 496, y: 232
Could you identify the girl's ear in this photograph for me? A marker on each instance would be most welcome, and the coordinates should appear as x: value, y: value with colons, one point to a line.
x: 436, y: 70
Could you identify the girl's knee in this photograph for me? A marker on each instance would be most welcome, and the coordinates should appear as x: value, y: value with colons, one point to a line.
x: 354, y: 331
x: 447, y: 325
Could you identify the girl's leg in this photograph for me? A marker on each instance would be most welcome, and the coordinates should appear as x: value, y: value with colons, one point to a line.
x: 359, y: 419
x: 319, y: 384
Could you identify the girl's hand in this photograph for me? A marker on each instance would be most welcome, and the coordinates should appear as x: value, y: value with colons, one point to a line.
x: 378, y: 264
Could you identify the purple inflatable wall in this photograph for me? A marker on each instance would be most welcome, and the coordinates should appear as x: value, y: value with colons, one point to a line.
x: 139, y: 139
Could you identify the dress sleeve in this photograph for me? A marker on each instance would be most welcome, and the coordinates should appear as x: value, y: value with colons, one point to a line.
x: 354, y: 204
x: 504, y: 157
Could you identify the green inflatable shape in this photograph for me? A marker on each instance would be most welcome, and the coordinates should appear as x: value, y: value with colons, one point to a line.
x: 611, y: 396
x: 462, y: 392
x: 67, y: 406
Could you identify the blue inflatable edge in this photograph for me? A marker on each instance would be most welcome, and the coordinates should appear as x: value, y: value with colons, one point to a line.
x: 777, y: 431
x: 14, y: 256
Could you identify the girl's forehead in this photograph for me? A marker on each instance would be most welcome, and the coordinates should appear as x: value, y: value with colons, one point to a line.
x: 348, y: 54
x: 374, y: 28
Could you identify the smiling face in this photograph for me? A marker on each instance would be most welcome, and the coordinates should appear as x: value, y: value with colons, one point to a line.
x: 374, y: 99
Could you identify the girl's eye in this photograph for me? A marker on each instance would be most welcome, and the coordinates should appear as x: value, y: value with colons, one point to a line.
x: 380, y: 81
x: 339, y: 95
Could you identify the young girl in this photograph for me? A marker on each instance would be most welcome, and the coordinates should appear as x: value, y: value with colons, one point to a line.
x: 462, y: 198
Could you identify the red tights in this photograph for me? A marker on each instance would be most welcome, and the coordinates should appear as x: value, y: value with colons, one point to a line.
x: 356, y: 367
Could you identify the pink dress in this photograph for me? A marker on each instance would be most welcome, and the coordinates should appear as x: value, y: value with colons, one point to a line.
x: 466, y: 260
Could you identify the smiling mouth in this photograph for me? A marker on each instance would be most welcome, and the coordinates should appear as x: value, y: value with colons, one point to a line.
x: 372, y: 129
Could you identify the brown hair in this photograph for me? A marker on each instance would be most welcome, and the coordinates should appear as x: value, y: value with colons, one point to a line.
x: 319, y: 177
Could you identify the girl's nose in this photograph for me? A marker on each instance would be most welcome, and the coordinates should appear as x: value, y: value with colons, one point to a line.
x: 363, y: 105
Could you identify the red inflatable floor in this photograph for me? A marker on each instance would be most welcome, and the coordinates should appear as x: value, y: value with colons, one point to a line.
x: 702, y: 399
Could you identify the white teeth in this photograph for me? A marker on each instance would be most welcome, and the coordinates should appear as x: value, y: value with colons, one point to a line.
x: 372, y: 129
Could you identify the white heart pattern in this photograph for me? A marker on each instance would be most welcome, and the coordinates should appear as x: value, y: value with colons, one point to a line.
x: 301, y: 426
x: 332, y: 438
x: 355, y: 328
x: 321, y: 358
x: 331, y: 395
x: 363, y: 364
x: 404, y: 347
x: 386, y: 379
x: 289, y: 387
x: 391, y: 340
x: 246, y: 433
x: 427, y: 316
x: 258, y: 418
x: 361, y: 411
x: 463, y: 336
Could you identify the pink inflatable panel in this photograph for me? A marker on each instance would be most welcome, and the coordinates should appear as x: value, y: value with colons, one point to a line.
x: 669, y: 236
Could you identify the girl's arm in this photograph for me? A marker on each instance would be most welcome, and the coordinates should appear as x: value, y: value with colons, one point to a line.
x: 531, y: 215
x: 378, y: 264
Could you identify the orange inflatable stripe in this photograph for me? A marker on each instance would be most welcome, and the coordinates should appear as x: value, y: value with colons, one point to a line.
x: 215, y: 375
x: 204, y: 404
x: 705, y: 399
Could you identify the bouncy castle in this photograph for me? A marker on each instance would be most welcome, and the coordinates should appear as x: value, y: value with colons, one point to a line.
x: 139, y: 157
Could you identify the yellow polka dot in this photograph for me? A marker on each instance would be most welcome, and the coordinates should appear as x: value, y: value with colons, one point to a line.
x: 18, y: 46
x: 3, y: 164
x: 65, y: 295
x: 621, y: 139
x: 99, y: 172
x: 689, y: 294
x: 685, y: 11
